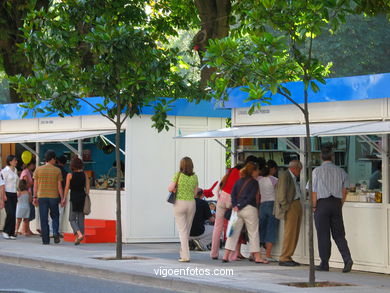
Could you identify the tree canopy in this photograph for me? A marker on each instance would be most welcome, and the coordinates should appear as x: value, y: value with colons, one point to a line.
x: 110, y: 48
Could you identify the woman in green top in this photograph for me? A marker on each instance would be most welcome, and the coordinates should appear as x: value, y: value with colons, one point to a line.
x: 184, y: 207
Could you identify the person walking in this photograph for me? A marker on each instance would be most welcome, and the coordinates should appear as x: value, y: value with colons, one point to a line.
x: 245, y: 200
x: 11, y: 180
x: 27, y: 175
x: 288, y: 207
x: 48, y: 193
x: 185, y: 183
x: 330, y: 184
x: 78, y: 184
x: 269, y: 225
x: 224, y: 203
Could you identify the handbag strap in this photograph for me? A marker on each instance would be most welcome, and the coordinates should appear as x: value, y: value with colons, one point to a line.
x: 177, y: 179
x: 243, y: 187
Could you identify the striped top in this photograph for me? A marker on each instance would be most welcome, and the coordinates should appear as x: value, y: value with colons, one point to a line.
x: 329, y: 180
x: 186, y: 186
x: 47, y: 178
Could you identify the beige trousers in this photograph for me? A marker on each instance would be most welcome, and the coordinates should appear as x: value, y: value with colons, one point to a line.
x: 249, y: 216
x: 184, y: 211
x: 292, y: 225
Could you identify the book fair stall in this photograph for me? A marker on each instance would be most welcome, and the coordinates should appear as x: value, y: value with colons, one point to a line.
x: 149, y: 160
x: 351, y: 113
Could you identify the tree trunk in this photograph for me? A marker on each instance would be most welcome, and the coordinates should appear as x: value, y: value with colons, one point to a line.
x: 214, y: 16
x: 118, y: 185
x: 309, y: 177
x: 14, y: 61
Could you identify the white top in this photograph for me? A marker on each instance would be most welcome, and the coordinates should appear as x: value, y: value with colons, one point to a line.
x: 267, y: 188
x: 11, y: 179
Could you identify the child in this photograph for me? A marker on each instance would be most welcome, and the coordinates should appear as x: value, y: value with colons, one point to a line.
x: 23, y: 205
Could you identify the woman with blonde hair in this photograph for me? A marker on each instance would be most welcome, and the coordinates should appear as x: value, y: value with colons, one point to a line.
x: 245, y: 201
x: 185, y: 184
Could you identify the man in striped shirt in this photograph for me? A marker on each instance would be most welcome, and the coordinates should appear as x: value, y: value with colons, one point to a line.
x: 330, y: 184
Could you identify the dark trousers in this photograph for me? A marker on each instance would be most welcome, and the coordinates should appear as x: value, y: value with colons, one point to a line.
x: 329, y: 219
x: 47, y: 205
x: 10, y: 209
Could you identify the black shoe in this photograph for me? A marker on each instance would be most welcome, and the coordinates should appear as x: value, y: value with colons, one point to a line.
x: 296, y: 263
x: 198, y: 245
x: 348, y: 266
x: 191, y: 245
x: 57, y: 239
x: 321, y: 268
x: 289, y: 263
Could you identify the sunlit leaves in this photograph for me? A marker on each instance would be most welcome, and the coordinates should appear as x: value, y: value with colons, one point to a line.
x: 106, y: 48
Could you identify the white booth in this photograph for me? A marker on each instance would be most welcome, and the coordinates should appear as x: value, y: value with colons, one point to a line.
x: 353, y: 114
x: 150, y: 159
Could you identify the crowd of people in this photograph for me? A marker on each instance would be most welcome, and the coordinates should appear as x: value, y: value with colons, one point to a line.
x: 40, y: 193
x: 260, y: 198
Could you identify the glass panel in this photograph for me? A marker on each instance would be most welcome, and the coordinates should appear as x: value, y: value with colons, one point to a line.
x: 365, y: 169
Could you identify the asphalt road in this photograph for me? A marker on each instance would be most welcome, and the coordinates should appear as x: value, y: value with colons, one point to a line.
x: 20, y: 279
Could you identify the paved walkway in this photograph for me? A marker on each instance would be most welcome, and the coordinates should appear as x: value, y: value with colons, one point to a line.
x: 153, y: 262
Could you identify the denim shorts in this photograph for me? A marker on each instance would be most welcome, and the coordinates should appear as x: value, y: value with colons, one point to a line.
x: 269, y: 225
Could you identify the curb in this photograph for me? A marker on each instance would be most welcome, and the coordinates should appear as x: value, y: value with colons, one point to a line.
x: 132, y: 278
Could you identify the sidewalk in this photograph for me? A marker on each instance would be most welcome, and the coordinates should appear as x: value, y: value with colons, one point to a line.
x: 162, y: 258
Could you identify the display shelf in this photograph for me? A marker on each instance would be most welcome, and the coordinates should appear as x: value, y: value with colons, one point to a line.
x: 266, y: 150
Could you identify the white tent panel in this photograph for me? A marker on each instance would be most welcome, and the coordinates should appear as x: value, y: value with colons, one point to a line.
x: 50, y: 136
x: 297, y: 130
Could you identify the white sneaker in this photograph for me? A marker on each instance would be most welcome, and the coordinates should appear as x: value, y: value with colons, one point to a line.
x: 5, y: 236
x: 12, y: 237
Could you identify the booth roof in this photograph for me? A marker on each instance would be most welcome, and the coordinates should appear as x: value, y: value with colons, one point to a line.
x: 51, y: 136
x: 296, y: 130
x: 180, y: 107
x: 375, y: 86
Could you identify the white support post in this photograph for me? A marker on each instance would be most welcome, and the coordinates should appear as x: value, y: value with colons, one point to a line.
x: 71, y: 148
x: 110, y: 142
x: 29, y: 149
x: 379, y: 149
x: 291, y: 145
x: 234, y: 153
x: 80, y: 148
x: 37, y: 150
x: 385, y: 170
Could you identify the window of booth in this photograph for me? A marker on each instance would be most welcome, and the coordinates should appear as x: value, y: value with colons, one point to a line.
x: 98, y: 157
x: 359, y: 156
x: 364, y: 167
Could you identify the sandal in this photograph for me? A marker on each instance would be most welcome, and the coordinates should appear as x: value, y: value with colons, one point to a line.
x: 78, y: 240
x: 263, y: 261
x: 240, y: 256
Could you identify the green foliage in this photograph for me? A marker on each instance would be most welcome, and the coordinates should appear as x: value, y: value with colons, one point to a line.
x: 360, y: 46
x: 268, y: 48
x: 108, y: 48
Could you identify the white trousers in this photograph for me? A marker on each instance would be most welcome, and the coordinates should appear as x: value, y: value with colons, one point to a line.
x: 249, y: 217
x: 184, y: 211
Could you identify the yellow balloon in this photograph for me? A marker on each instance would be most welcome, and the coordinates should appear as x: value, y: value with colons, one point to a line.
x: 26, y: 157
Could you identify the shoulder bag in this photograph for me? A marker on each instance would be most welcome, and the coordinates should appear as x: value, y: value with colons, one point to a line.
x: 172, y: 195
